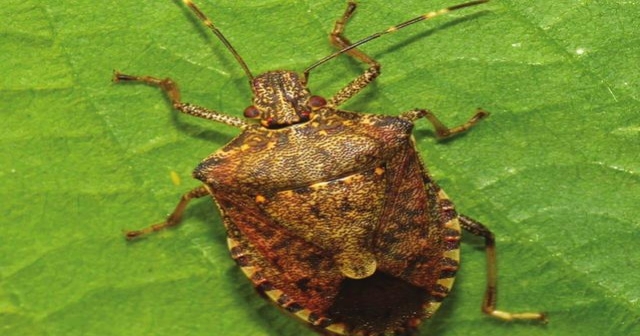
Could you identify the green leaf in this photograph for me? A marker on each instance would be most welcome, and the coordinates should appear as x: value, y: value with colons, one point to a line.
x: 553, y: 172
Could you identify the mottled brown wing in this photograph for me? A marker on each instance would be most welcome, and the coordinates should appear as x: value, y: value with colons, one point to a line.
x: 419, y: 233
x: 292, y: 272
x: 416, y: 247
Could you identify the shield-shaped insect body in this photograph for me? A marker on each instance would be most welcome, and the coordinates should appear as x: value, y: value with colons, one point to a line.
x: 330, y: 213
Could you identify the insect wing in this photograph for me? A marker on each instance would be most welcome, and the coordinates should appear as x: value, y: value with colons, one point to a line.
x: 293, y: 273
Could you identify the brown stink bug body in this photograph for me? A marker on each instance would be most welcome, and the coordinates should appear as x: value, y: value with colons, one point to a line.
x: 331, y: 214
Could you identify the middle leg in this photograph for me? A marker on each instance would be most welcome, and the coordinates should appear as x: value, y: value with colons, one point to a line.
x: 442, y: 131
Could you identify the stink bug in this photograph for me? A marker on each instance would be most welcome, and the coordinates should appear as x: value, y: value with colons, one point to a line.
x: 330, y: 213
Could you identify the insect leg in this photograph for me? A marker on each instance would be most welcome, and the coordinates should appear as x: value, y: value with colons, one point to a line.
x: 491, y: 295
x: 174, y: 217
x: 443, y: 131
x: 340, y: 41
x: 172, y: 91
x: 345, y: 46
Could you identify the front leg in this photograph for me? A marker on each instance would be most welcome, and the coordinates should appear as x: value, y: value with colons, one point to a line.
x: 170, y: 88
x: 338, y: 39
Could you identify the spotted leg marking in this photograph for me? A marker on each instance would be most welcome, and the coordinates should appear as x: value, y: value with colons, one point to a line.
x: 170, y: 88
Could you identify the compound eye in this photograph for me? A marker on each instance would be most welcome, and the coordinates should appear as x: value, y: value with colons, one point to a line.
x: 316, y: 102
x: 251, y: 112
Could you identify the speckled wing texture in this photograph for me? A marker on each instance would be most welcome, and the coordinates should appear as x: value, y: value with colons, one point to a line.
x: 416, y: 246
x: 418, y: 234
x: 292, y: 272
x: 369, y: 246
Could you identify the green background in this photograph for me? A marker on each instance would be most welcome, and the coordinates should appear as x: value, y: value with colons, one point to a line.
x: 554, y: 172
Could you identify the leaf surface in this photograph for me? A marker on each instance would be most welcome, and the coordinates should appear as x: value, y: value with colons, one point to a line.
x: 553, y: 172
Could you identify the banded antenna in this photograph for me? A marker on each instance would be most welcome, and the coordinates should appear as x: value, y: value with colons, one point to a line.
x: 392, y: 29
x: 207, y: 22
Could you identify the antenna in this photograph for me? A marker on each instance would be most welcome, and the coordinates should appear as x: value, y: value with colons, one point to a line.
x: 217, y: 32
x: 392, y: 29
